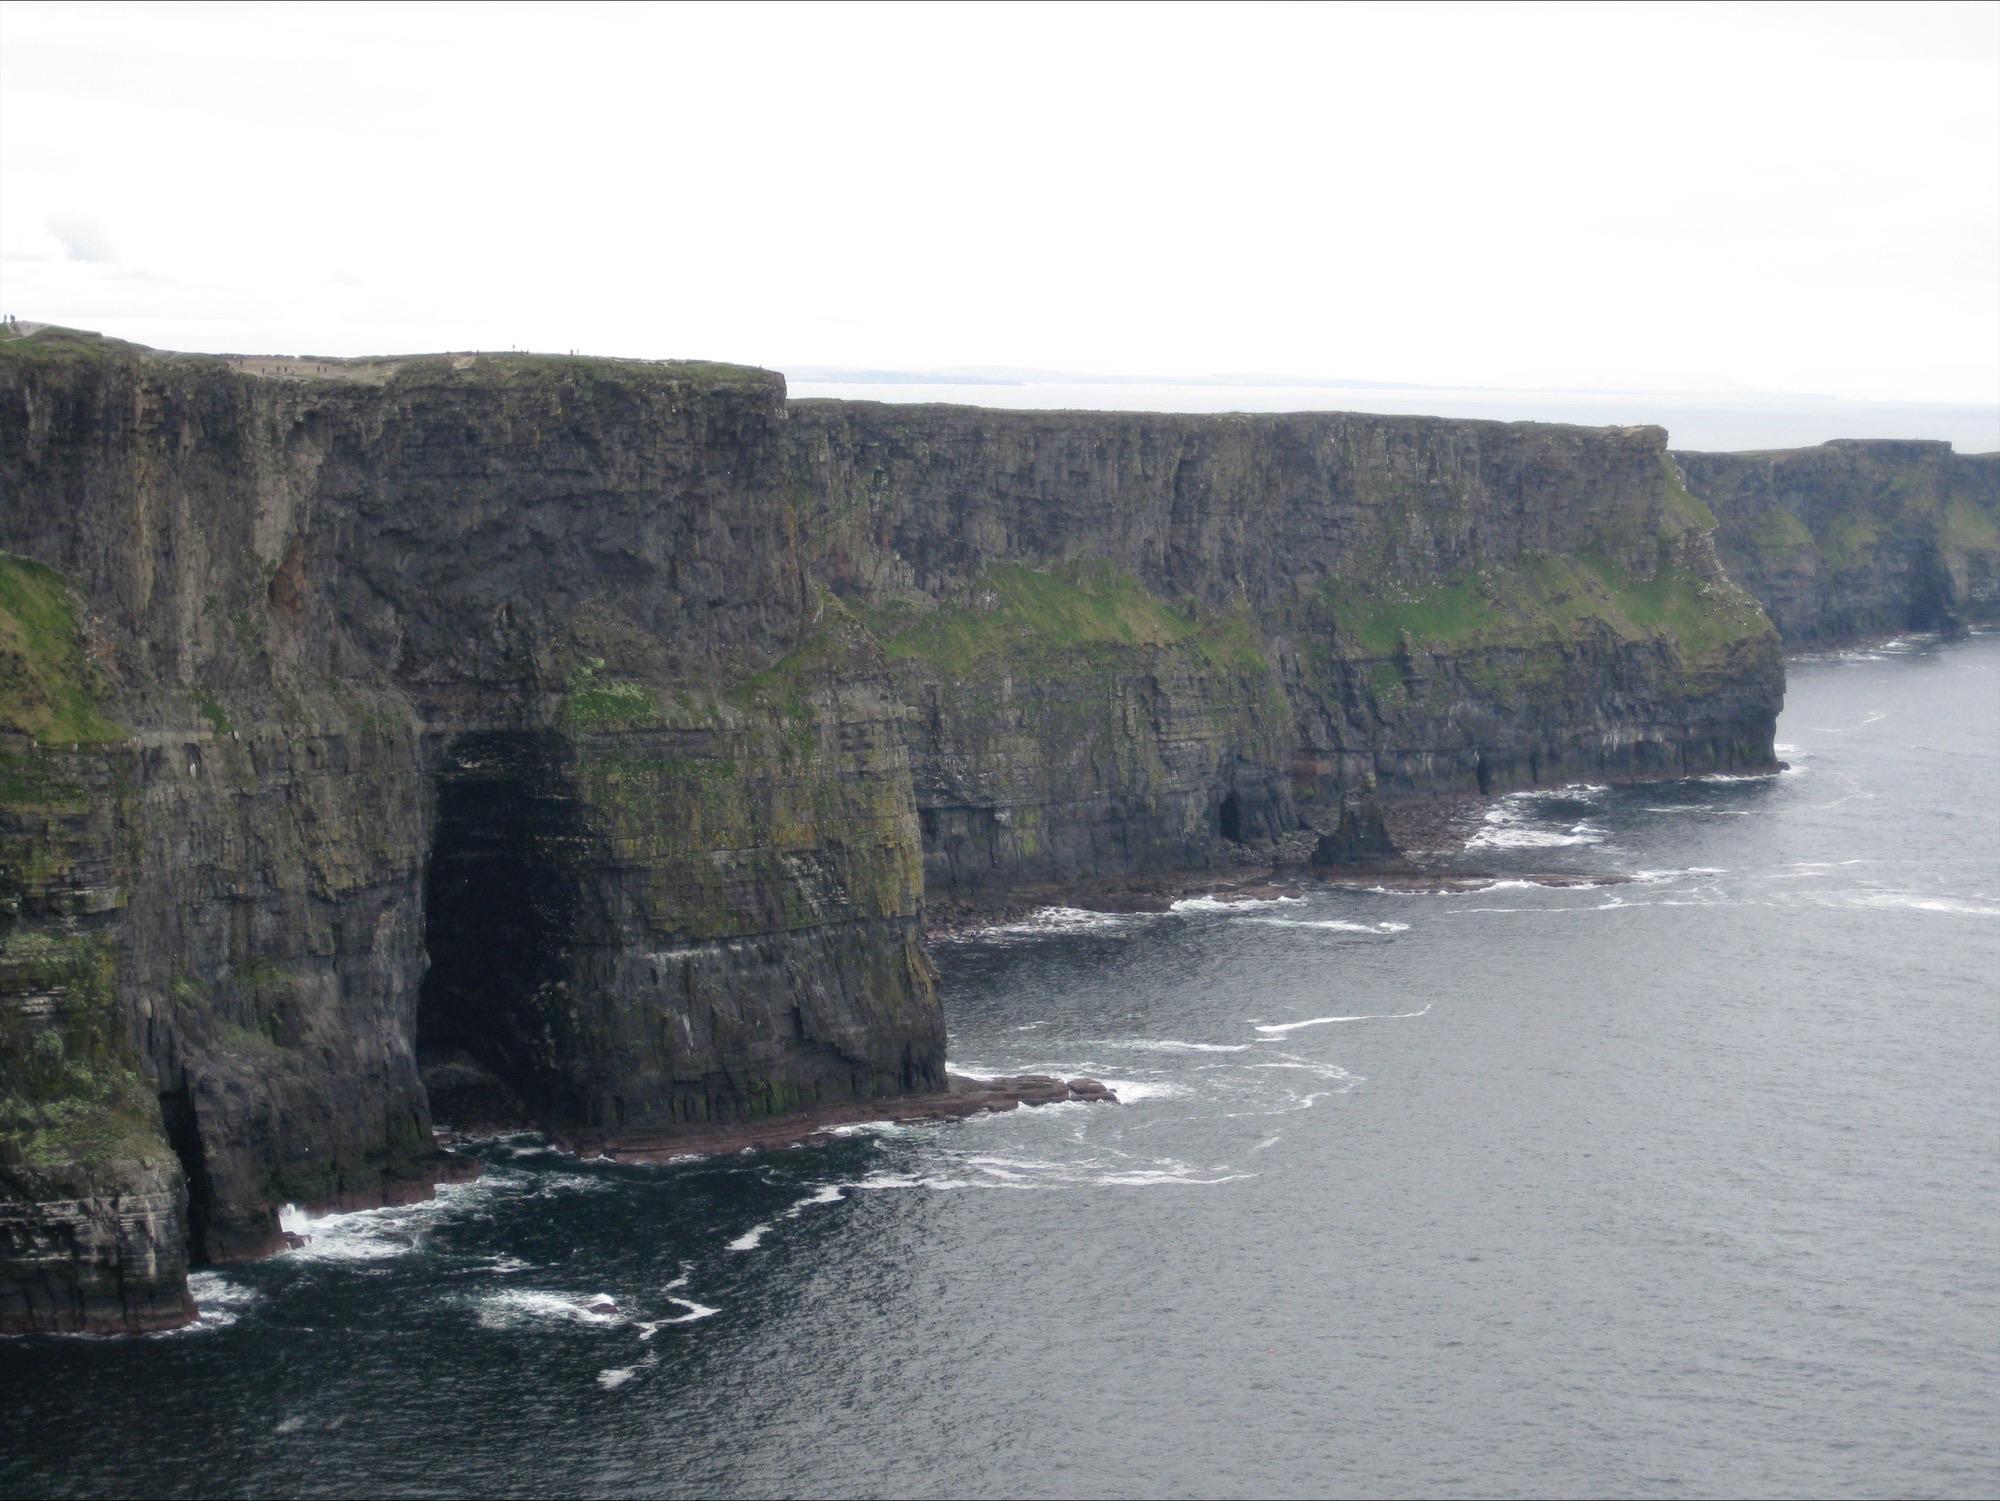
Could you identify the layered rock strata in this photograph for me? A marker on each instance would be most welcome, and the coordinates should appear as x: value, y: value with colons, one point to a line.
x: 1858, y: 538
x: 584, y: 736
x: 1140, y: 640
x: 454, y: 705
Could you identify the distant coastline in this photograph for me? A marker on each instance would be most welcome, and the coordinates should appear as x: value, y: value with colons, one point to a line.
x: 1718, y: 422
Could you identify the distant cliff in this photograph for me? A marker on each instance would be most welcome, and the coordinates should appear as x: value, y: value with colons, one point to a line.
x: 1858, y: 538
x: 577, y: 741
x: 1133, y: 640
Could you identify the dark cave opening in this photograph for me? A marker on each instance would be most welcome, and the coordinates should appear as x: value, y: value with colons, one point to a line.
x: 1229, y: 819
x: 184, y: 1136
x: 500, y: 917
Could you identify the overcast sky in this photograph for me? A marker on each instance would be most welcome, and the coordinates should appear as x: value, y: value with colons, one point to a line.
x: 1716, y: 197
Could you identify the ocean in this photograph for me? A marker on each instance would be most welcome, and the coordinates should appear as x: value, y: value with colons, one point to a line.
x: 1679, y: 1183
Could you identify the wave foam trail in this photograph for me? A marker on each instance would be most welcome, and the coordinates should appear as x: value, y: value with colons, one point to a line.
x: 1505, y: 827
x: 513, y: 1309
x: 1281, y: 1028
x: 1914, y: 902
x: 1575, y: 792
x: 696, y: 1312
x: 1234, y: 904
x: 1130, y: 1091
x: 750, y: 1239
x: 218, y: 1301
x: 1332, y: 925
x: 1150, y: 1177
x: 378, y: 1234
x: 1046, y: 922
x: 1171, y: 1045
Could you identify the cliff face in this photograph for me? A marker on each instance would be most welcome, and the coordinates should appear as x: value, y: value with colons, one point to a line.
x: 536, y: 636
x: 575, y: 741
x: 1135, y: 640
x: 1858, y: 538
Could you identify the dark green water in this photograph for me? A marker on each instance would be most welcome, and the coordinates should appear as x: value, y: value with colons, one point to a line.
x: 1679, y: 1186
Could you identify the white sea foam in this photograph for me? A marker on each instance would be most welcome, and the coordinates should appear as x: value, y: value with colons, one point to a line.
x: 1333, y: 925
x: 613, y: 1379
x: 1281, y: 1028
x: 1048, y: 921
x: 1319, y: 1068
x: 749, y: 1240
x: 1152, y: 1177
x: 1171, y: 1045
x: 1131, y: 1091
x: 1659, y: 877
x: 695, y: 1312
x: 513, y: 1309
x: 1505, y: 827
x: 218, y: 1301
x: 1916, y: 902
x: 1234, y: 904
x: 378, y: 1234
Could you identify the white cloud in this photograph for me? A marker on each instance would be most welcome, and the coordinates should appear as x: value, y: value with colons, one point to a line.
x: 1780, y: 197
x: 81, y: 237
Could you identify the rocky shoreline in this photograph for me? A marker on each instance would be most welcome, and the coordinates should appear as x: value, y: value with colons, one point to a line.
x: 962, y: 1096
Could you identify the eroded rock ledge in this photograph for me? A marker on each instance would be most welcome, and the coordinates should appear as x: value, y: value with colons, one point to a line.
x: 963, y: 1095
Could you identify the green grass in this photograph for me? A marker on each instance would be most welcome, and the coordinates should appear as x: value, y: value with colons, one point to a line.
x: 1848, y: 541
x: 37, y: 779
x: 596, y: 703
x: 511, y: 368
x: 1776, y: 530
x: 48, y: 688
x: 53, y: 345
x: 1026, y: 616
x: 1545, y: 599
x: 1967, y: 528
x: 1685, y: 508
x: 70, y: 1089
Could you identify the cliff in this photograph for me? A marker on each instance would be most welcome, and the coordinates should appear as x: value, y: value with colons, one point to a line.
x: 508, y: 738
x: 1135, y: 641
x: 513, y: 664
x: 1858, y: 538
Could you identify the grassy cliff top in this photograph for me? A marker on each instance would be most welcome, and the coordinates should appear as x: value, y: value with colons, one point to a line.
x: 1886, y: 448
x: 50, y: 344
x: 935, y: 414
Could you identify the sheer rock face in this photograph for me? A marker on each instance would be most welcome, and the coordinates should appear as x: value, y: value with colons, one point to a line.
x: 1858, y: 538
x: 1138, y: 640
x: 328, y: 634
x: 588, y: 733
